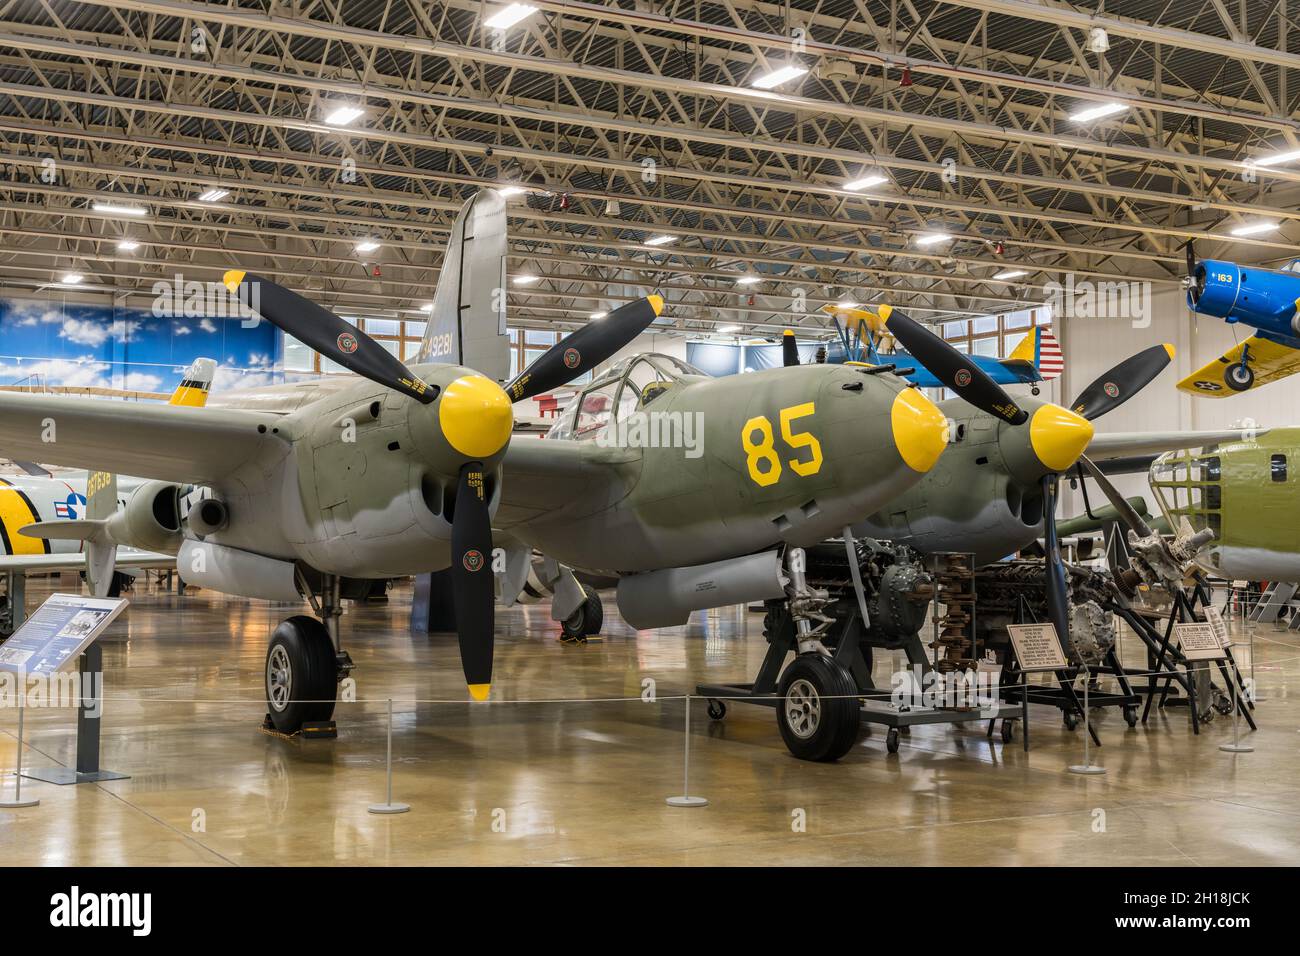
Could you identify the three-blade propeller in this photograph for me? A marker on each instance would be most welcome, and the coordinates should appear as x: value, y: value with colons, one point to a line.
x: 960, y: 373
x: 471, y: 520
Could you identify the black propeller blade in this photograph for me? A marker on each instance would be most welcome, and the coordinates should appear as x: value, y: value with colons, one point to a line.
x: 956, y: 370
x: 1122, y: 382
x: 318, y: 327
x: 1058, y: 595
x: 585, y: 349
x: 471, y: 574
x: 1189, y: 251
x: 789, y: 349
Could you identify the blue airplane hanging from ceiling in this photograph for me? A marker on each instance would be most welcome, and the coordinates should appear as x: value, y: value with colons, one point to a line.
x: 1264, y: 299
x: 863, y: 338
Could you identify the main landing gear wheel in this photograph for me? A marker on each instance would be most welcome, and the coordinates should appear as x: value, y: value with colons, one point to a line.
x: 1008, y: 731
x: 818, y: 709
x: 585, y: 622
x: 1239, y: 377
x: 716, y: 709
x: 301, y: 674
x: 1070, y: 719
x: 1131, y: 715
x: 891, y: 740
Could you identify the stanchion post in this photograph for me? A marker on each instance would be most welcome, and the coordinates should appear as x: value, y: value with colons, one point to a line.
x: 1236, y: 747
x: 388, y: 806
x: 686, y: 800
x: 18, y: 802
x: 1087, y: 767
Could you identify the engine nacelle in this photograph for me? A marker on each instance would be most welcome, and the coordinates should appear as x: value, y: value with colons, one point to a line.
x: 151, y: 520
x: 208, y: 516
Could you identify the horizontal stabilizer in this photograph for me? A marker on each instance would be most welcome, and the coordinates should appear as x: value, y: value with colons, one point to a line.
x: 79, y: 529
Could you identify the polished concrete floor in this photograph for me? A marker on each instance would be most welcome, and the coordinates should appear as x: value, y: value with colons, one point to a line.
x: 562, y: 769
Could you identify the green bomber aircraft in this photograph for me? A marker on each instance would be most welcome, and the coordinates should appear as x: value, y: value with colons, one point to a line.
x: 1246, y: 490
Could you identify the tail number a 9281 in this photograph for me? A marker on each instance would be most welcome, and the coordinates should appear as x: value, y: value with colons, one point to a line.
x: 759, y: 443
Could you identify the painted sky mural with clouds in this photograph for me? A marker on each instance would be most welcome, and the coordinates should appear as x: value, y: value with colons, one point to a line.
x: 56, y: 343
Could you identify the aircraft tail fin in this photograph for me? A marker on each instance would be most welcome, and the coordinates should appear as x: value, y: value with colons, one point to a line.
x: 1041, y: 350
x: 101, y: 552
x: 467, y: 325
x: 195, y: 384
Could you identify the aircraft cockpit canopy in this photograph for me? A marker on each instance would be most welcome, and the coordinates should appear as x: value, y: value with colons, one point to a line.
x: 1292, y: 266
x: 627, y: 386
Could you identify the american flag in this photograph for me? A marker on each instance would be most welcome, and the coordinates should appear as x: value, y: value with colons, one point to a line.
x: 1051, y: 362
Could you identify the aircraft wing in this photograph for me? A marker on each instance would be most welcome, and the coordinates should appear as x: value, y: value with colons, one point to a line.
x: 1124, y: 444
x: 558, y: 479
x: 1269, y: 361
x: 170, y: 442
x: 75, y: 561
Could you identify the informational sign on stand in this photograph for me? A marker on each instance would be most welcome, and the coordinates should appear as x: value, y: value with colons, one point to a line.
x: 54, y: 637
x: 1199, y: 642
x: 1214, y: 618
x: 1037, y: 647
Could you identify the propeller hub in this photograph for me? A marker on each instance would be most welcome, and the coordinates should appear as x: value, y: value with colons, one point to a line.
x: 920, y: 429
x: 1058, y: 436
x: 475, y: 416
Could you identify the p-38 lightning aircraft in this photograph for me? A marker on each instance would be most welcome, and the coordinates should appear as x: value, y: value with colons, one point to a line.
x: 407, y: 470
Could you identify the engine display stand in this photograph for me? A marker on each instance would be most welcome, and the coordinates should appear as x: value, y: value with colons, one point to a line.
x: 1064, y: 696
x: 876, y: 704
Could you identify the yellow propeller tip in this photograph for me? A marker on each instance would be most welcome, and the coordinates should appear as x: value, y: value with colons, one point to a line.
x: 1170, y: 350
x: 656, y: 303
x: 788, y: 332
x: 232, y: 279
x: 479, y: 691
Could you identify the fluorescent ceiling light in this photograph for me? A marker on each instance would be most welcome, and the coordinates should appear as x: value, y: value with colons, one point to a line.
x: 367, y: 245
x: 726, y: 329
x: 528, y: 279
x: 782, y: 74
x: 216, y: 194
x: 748, y: 280
x: 660, y: 240
x: 1097, y: 112
x: 866, y: 182
x: 510, y: 190
x: 505, y: 19
x: 598, y: 315
x: 113, y: 209
x: 931, y: 238
x: 427, y: 307
x: 343, y: 115
x: 1254, y: 228
x: 128, y: 245
x: 71, y: 278
x: 1011, y: 274
x: 1276, y: 158
x: 846, y: 304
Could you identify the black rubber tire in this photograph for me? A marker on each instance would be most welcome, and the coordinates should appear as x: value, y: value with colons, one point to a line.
x: 1070, y: 719
x: 586, y: 621
x: 891, y: 740
x: 1239, y: 377
x: 1008, y: 730
x: 1131, y: 715
x: 834, y: 693
x: 312, y: 677
x: 717, y: 710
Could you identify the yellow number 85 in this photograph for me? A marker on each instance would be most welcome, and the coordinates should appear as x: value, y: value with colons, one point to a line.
x: 763, y: 450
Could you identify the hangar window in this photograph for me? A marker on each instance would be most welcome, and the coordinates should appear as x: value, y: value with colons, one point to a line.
x: 1277, y: 467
